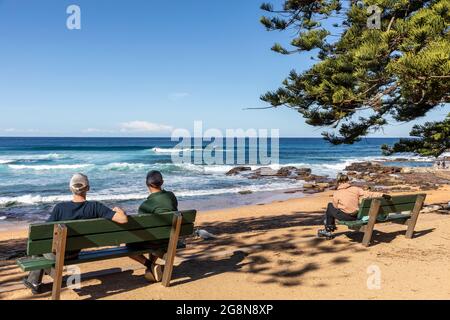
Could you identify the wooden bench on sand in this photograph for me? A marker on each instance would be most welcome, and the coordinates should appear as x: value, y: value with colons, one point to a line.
x: 399, y: 209
x: 163, y: 230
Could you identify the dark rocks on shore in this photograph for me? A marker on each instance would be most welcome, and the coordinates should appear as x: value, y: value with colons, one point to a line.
x: 265, y: 172
x: 284, y: 172
x: 316, y: 178
x: 293, y: 172
x: 314, y: 183
x: 391, y: 178
x: 372, y: 168
x: 237, y: 170
x: 369, y: 174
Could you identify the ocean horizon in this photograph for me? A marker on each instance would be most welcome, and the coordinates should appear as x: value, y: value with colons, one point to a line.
x: 34, y: 172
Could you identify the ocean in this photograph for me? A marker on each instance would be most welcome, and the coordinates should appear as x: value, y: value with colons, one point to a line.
x: 34, y: 172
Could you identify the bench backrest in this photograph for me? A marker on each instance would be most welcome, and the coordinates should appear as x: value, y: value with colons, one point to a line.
x: 84, y: 234
x: 396, y: 204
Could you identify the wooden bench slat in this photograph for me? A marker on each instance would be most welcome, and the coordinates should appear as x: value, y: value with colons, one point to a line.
x: 85, y: 227
x: 385, y: 210
x: 38, y: 247
x: 30, y: 264
x: 396, y: 200
x: 364, y: 222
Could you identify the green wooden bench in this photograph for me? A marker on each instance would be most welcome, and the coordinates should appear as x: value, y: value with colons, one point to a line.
x: 163, y: 230
x: 399, y: 209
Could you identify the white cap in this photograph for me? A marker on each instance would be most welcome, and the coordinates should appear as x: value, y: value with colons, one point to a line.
x: 79, y: 184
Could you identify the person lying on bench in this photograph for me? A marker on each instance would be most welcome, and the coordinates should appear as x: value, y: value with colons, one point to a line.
x: 77, y: 209
x: 345, y: 205
x: 159, y: 201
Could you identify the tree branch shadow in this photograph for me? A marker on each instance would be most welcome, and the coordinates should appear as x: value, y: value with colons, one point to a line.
x: 281, y: 258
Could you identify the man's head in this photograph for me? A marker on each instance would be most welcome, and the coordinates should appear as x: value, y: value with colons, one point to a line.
x: 342, y: 178
x: 154, y: 180
x: 79, y: 184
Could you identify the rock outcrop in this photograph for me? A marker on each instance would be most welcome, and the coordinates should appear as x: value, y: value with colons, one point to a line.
x: 237, y: 170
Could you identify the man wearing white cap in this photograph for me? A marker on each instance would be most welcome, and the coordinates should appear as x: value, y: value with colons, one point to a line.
x: 80, y: 208
x: 77, y: 209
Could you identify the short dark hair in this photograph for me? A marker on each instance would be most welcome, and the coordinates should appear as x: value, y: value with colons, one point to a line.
x: 342, y: 178
x: 154, y: 179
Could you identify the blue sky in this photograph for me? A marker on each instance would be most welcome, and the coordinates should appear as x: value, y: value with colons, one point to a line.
x: 140, y: 68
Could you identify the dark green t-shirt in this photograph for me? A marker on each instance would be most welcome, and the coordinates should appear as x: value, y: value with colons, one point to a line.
x: 159, y: 202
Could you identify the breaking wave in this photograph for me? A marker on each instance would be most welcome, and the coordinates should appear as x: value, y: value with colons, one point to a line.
x: 170, y: 150
x: 29, y: 199
x: 37, y: 157
x: 48, y: 167
x: 124, y: 166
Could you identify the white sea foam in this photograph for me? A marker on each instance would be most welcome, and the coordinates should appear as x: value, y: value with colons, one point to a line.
x: 124, y: 166
x: 204, y: 168
x: 170, y: 150
x: 38, y: 199
x: 30, y: 157
x: 48, y: 167
x: 114, y: 196
x: 49, y: 156
x: 330, y: 169
x: 253, y: 188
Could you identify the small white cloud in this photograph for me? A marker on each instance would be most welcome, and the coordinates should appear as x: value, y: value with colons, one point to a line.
x: 12, y: 130
x: 95, y: 130
x: 144, y: 126
x: 178, y: 95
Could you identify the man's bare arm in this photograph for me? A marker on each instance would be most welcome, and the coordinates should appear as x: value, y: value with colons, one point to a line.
x: 120, y: 216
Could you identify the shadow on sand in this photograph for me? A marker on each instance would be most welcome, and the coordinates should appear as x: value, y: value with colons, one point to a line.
x: 242, y: 246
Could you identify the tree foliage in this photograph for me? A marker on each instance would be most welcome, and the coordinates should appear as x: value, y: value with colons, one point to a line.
x: 364, y: 78
x: 433, y: 139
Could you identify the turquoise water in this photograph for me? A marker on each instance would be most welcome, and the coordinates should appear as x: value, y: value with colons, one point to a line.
x: 34, y: 172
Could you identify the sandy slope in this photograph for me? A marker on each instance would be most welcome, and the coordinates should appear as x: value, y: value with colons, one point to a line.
x: 271, y: 252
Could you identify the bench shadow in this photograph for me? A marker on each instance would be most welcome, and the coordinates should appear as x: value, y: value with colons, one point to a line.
x: 278, y: 258
x: 266, y: 223
x: 117, y: 281
x: 112, y: 281
x: 13, y: 249
x: 209, y: 258
x: 195, y: 269
x: 11, y: 277
x: 111, y: 284
x: 379, y: 237
x: 263, y: 257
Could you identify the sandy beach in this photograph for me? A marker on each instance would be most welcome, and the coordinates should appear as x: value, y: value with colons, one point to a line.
x: 271, y: 252
x: 212, y: 152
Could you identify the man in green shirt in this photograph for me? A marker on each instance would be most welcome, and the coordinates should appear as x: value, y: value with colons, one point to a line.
x: 159, y: 201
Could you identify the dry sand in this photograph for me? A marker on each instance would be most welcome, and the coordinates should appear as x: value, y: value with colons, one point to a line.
x: 271, y: 252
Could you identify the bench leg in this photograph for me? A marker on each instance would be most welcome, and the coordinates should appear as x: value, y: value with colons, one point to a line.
x: 59, y: 250
x: 373, y: 214
x: 172, y: 248
x: 414, y: 216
